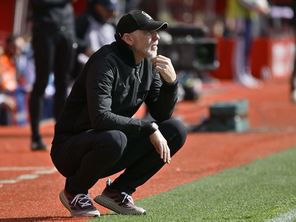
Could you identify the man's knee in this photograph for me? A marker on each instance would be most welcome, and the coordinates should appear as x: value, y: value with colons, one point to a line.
x: 175, y: 133
x: 115, y: 142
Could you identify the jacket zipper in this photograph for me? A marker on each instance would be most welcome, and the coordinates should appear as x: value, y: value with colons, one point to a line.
x: 136, y: 72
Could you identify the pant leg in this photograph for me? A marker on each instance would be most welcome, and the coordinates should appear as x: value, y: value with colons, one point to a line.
x: 141, y: 159
x: 293, y: 75
x: 85, y: 157
x: 248, y: 40
x: 43, y: 47
x: 63, y: 62
x: 240, y: 53
x: 21, y: 111
x: 92, y: 155
x: 293, y: 78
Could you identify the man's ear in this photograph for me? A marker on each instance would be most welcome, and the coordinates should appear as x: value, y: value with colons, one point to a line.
x: 128, y: 39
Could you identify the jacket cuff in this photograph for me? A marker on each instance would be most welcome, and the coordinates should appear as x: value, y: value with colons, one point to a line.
x: 148, y: 129
x: 170, y: 86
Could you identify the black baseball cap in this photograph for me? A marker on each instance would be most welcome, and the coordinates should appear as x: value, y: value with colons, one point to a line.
x: 138, y: 20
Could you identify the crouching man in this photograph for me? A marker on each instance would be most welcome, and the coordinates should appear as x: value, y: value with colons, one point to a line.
x: 96, y: 135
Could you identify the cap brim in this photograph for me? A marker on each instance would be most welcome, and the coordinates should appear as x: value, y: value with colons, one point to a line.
x: 155, y: 26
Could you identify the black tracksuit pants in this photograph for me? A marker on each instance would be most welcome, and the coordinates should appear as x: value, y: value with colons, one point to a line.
x: 85, y: 158
x: 53, y: 53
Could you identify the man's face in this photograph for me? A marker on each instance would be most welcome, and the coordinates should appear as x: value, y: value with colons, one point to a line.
x: 144, y: 43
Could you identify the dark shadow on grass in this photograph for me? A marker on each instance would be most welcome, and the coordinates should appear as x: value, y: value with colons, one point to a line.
x: 52, y: 218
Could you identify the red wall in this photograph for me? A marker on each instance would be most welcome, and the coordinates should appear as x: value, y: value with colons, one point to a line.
x: 79, y: 6
x: 6, y: 21
x: 272, y: 56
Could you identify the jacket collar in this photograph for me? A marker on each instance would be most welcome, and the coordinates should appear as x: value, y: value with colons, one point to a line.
x: 125, y: 52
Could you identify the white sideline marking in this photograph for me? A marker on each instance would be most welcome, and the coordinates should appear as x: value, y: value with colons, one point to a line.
x: 286, y: 217
x: 37, y: 171
x: 18, y: 168
x: 7, y: 181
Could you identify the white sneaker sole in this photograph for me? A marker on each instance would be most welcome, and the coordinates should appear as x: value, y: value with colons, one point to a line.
x: 110, y: 204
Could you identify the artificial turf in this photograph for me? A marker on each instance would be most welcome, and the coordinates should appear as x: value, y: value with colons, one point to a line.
x: 259, y: 191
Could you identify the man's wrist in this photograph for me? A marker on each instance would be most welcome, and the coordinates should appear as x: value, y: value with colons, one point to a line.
x: 154, y: 126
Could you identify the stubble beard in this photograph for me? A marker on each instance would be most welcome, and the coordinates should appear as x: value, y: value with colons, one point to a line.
x: 152, y: 54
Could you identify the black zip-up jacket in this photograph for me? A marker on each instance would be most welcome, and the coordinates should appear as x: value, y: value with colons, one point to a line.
x: 109, y: 91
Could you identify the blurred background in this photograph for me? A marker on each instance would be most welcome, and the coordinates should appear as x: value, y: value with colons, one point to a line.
x: 200, y: 41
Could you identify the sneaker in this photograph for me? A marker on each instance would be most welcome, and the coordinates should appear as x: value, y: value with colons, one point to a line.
x: 79, y: 205
x: 119, y: 202
x: 38, y: 146
x: 249, y: 81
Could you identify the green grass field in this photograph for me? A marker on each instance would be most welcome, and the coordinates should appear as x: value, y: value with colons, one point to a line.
x: 258, y: 191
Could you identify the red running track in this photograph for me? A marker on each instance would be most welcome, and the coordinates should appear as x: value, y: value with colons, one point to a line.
x: 29, y: 185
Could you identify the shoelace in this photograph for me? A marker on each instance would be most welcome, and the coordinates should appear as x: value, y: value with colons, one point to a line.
x: 82, y: 199
x: 127, y: 197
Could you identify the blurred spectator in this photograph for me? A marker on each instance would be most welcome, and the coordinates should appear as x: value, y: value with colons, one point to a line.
x: 94, y: 29
x: 8, y: 79
x: 134, y: 4
x: 7, y: 103
x: 24, y: 63
x: 241, y: 15
x: 7, y: 107
x: 53, y: 46
x: 13, y: 95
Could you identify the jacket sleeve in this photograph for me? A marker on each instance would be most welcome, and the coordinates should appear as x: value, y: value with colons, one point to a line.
x: 162, y: 98
x: 99, y: 83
